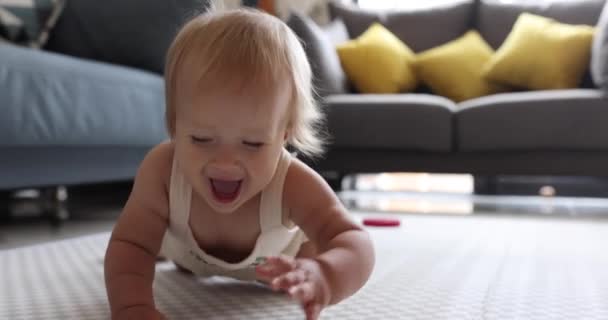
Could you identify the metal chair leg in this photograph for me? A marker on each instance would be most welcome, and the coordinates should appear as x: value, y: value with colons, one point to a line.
x: 54, y: 203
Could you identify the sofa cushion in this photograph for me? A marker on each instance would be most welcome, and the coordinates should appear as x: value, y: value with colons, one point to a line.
x: 53, y: 100
x: 410, y: 121
x: 495, y: 18
x: 378, y: 62
x: 329, y: 78
x: 533, y: 55
x: 134, y: 33
x: 454, y: 69
x: 572, y: 119
x: 599, y: 54
x: 422, y: 28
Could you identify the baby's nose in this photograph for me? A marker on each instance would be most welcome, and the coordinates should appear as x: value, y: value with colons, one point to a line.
x: 224, y: 170
x: 228, y: 166
x: 225, y: 163
x: 225, y: 156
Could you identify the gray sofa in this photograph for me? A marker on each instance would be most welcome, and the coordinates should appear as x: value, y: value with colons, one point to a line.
x: 558, y: 132
x: 88, y: 107
x: 68, y: 121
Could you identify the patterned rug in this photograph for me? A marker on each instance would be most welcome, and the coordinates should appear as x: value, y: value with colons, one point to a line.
x: 431, y: 267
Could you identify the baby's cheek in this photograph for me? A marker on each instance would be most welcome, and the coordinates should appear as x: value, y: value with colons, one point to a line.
x: 262, y: 168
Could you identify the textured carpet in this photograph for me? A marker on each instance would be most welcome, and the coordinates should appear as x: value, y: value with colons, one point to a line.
x: 471, y: 267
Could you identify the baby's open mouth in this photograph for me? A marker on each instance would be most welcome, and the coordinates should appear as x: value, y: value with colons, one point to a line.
x: 225, y: 190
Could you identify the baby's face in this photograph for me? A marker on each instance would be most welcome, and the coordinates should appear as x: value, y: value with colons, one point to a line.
x: 228, y: 142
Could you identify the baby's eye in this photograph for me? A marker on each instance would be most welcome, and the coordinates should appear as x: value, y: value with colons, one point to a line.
x: 200, y: 139
x: 252, y: 144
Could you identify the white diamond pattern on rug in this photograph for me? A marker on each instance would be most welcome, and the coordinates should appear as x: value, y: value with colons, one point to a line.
x: 430, y: 268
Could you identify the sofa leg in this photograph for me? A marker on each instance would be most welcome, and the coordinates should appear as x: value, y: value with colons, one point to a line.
x: 485, y: 184
x: 54, y: 203
x: 5, y: 205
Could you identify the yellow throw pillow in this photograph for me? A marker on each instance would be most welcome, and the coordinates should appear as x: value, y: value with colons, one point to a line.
x: 378, y: 62
x: 541, y: 53
x: 455, y: 69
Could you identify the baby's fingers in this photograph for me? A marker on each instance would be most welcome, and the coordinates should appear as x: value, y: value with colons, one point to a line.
x: 274, y: 267
x: 284, y: 262
x: 313, y: 311
x: 303, y: 292
x: 288, y: 280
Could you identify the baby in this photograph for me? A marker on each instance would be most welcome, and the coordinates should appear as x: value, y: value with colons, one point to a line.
x: 223, y: 196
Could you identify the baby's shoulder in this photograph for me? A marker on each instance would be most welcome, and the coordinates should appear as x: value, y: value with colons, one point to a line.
x: 159, y: 161
x: 302, y: 177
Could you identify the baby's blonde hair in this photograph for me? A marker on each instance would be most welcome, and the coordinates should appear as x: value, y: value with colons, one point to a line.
x: 256, y: 48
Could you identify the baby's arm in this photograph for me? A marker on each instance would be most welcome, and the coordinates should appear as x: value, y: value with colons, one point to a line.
x: 345, y: 255
x: 136, y: 240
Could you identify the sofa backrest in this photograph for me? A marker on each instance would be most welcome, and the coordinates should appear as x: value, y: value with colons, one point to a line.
x: 421, y: 28
x: 424, y: 28
x: 495, y: 18
x: 135, y: 33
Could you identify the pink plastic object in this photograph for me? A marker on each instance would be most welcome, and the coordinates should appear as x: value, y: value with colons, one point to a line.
x: 381, y: 222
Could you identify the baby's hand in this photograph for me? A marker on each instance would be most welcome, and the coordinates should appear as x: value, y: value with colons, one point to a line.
x: 302, y: 279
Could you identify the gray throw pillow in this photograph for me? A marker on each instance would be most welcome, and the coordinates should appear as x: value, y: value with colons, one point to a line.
x: 599, y: 53
x: 336, y: 31
x: 134, y: 33
x: 329, y: 78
